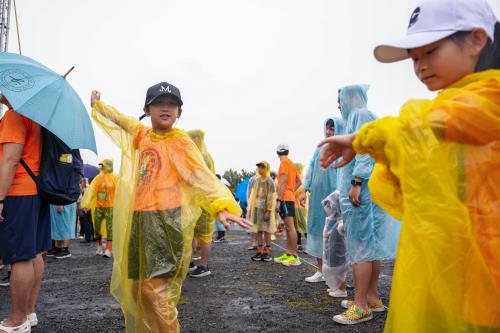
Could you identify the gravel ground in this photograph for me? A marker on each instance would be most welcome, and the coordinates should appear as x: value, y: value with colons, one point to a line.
x: 239, y: 296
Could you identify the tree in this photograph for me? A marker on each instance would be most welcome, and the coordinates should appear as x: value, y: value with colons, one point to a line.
x: 235, y: 177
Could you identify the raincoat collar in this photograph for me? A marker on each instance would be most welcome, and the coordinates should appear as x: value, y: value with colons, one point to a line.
x: 492, y: 73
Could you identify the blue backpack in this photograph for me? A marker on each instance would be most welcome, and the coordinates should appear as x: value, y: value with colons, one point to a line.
x: 61, y: 170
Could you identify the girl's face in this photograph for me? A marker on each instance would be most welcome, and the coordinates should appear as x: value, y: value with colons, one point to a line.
x: 440, y: 64
x: 164, y: 111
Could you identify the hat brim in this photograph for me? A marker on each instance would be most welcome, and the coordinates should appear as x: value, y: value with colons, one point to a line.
x: 175, y: 97
x: 398, y: 50
x: 260, y: 165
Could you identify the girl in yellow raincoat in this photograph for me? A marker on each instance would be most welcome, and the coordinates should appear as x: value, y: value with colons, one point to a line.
x: 300, y: 210
x: 438, y: 171
x: 261, y: 207
x: 100, y: 199
x: 163, y: 184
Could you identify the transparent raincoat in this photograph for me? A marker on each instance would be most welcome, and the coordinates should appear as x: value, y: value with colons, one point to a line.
x: 262, y: 198
x: 335, y: 265
x: 319, y: 182
x: 371, y: 234
x: 99, y: 199
x: 300, y: 219
x: 163, y: 184
x: 438, y: 170
x: 203, y: 232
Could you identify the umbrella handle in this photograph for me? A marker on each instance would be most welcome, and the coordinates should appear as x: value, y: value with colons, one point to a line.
x: 69, y: 71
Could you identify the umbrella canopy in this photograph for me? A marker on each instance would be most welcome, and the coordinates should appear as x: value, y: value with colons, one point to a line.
x: 45, y: 97
x: 90, y: 171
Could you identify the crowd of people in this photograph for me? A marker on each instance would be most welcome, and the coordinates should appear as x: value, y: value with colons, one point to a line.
x: 420, y: 187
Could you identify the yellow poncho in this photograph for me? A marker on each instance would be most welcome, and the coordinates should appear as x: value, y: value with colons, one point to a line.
x: 159, y: 176
x: 262, y: 199
x: 438, y: 171
x: 300, y: 209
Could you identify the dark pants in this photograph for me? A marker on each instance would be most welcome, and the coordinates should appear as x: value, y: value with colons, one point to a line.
x: 86, y: 227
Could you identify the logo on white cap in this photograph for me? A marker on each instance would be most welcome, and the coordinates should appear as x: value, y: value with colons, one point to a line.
x: 414, y: 17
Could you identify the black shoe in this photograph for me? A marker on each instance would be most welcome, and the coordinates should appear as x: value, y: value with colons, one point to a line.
x: 200, y: 271
x: 5, y: 282
x: 300, y: 248
x: 220, y: 239
x: 52, y: 252
x: 266, y: 257
x: 257, y: 257
x: 63, y: 254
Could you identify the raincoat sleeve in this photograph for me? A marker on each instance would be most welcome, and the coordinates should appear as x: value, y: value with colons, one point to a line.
x: 117, y: 126
x: 271, y: 196
x: 468, y: 120
x: 306, y: 184
x: 363, y: 163
x: 211, y: 194
x: 88, y: 199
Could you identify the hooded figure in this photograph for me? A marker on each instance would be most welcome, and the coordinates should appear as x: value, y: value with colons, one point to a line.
x: 205, y: 226
x: 262, y: 199
x: 319, y: 182
x: 371, y: 234
x: 100, y: 199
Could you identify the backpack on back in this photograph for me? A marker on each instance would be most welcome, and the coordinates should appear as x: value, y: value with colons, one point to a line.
x: 61, y: 170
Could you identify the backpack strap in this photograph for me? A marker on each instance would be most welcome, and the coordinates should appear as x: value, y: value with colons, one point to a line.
x: 28, y: 170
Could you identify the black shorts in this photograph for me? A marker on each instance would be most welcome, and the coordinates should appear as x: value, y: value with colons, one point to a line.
x: 25, y: 232
x: 287, y: 209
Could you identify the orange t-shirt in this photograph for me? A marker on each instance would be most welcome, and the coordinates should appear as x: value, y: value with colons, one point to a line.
x: 288, y: 168
x: 15, y: 128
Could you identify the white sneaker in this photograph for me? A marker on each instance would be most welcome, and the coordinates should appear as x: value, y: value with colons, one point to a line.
x: 99, y: 252
x: 33, y: 319
x: 23, y: 328
x: 107, y: 254
x: 317, y: 277
x: 338, y: 293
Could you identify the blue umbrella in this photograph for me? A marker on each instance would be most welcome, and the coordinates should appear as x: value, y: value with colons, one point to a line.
x: 90, y: 171
x: 45, y: 97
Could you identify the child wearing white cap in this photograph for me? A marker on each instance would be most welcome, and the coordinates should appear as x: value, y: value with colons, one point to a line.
x: 437, y: 171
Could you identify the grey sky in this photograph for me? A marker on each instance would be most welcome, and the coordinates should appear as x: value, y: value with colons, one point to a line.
x: 252, y: 73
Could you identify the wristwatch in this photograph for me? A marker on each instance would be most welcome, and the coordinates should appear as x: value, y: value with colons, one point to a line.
x: 354, y: 182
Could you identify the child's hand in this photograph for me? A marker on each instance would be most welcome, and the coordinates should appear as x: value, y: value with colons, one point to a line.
x: 225, y: 217
x: 267, y: 216
x: 335, y: 147
x: 96, y: 96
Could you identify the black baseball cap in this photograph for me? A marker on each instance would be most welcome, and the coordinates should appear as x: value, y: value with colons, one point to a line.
x: 163, y: 89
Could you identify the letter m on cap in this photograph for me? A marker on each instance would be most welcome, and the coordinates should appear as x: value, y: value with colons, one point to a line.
x: 165, y: 89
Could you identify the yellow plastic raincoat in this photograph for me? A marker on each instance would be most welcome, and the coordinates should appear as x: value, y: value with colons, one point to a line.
x: 99, y: 199
x: 262, y: 199
x: 163, y: 184
x: 438, y: 171
x: 300, y: 219
x: 205, y: 226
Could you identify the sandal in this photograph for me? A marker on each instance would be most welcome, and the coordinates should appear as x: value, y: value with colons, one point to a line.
x: 23, y: 328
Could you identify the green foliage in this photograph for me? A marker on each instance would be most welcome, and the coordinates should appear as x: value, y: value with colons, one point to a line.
x: 234, y: 177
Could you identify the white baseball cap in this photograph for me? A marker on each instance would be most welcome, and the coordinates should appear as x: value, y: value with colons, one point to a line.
x: 282, y: 147
x: 434, y: 20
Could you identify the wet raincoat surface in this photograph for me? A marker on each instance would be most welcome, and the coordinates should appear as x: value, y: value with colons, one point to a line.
x: 335, y: 265
x: 371, y: 234
x: 319, y: 182
x: 438, y: 170
x: 163, y: 184
x: 262, y: 199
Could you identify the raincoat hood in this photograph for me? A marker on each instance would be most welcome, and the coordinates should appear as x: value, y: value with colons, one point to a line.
x: 268, y: 170
x: 353, y: 97
x: 106, y: 166
x: 300, y: 168
x: 198, y: 137
x: 338, y: 123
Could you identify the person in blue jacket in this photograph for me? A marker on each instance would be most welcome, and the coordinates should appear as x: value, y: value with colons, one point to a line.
x: 371, y: 234
x: 319, y: 183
